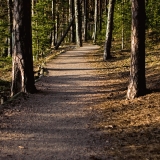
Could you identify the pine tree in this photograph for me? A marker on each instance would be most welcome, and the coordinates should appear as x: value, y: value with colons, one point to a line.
x: 22, y: 67
x: 137, y: 84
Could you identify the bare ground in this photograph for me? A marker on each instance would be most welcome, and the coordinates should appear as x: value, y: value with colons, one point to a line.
x: 129, y: 128
x: 81, y: 111
x: 54, y: 123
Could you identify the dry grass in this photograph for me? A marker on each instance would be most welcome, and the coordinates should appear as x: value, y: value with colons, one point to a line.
x: 129, y: 129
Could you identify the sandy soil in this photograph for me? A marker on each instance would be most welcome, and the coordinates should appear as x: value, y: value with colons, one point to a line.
x: 54, y: 124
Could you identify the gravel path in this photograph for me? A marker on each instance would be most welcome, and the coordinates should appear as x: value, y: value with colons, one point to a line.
x: 53, y: 124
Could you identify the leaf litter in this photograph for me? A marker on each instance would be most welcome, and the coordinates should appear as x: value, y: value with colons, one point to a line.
x: 129, y: 128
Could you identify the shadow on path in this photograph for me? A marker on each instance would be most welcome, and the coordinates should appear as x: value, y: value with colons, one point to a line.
x: 53, y: 124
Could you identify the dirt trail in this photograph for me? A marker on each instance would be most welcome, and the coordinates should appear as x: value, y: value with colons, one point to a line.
x: 53, y: 124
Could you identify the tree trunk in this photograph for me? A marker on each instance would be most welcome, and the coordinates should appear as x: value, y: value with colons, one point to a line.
x: 85, y: 20
x: 78, y: 23
x: 56, y: 24
x: 10, y: 20
x: 71, y: 14
x: 65, y: 33
x: 95, y: 21
x: 22, y: 62
x: 100, y: 15
x: 137, y: 84
x: 53, y: 29
x: 32, y: 8
x: 109, y: 30
x: 106, y: 3
x: 122, y: 7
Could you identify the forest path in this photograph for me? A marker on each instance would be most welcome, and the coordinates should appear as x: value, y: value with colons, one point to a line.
x: 53, y: 123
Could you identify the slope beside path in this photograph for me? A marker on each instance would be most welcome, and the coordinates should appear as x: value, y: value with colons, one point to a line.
x: 53, y: 123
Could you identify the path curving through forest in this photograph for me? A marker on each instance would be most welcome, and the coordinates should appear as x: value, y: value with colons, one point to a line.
x: 53, y: 123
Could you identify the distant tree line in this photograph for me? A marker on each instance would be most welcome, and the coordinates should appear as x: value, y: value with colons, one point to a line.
x: 50, y: 19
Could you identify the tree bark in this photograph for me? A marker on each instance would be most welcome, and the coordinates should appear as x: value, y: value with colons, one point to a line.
x: 122, y: 8
x: 137, y: 84
x: 106, y: 3
x: 53, y: 42
x: 10, y: 19
x: 56, y: 23
x: 109, y: 30
x: 95, y: 21
x: 85, y: 6
x: 65, y: 33
x: 71, y: 14
x: 78, y: 23
x: 100, y: 15
x: 22, y: 62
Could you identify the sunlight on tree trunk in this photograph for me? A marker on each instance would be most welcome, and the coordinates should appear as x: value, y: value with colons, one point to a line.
x: 137, y: 85
x: 78, y: 23
x: 95, y: 21
x: 109, y: 30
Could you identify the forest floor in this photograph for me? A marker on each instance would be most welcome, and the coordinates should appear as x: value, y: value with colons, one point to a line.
x: 81, y: 111
x: 130, y: 128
